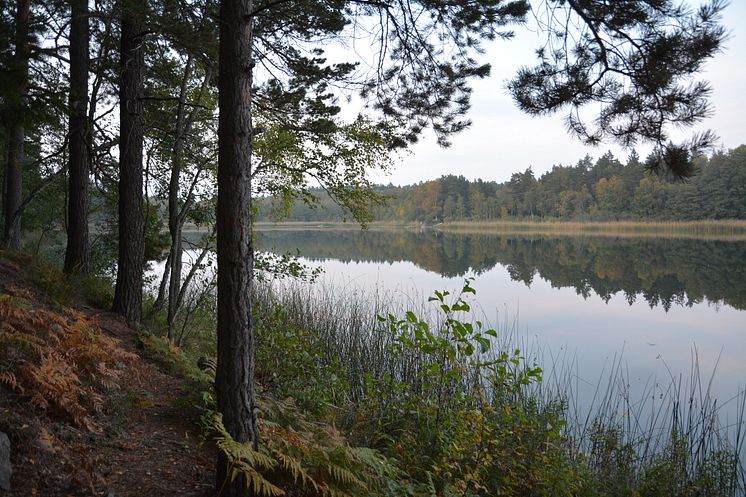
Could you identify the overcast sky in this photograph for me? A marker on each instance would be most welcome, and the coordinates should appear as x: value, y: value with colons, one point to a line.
x: 502, y: 140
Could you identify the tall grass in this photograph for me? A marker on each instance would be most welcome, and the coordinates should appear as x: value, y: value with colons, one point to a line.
x: 346, y: 325
x: 673, y: 438
x: 672, y: 433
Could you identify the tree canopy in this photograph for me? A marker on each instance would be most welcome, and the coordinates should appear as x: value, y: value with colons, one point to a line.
x: 590, y: 190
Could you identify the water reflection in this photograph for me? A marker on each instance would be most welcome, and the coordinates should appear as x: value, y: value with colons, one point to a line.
x: 663, y: 272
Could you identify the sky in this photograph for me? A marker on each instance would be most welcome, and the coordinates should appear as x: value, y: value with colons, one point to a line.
x: 503, y: 140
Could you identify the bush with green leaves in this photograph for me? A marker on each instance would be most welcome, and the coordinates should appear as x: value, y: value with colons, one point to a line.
x: 459, y: 412
x: 289, y: 360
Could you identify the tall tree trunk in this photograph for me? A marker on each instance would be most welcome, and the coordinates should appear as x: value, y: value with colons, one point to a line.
x: 177, y: 214
x: 174, y: 214
x: 128, y: 290
x: 16, y: 131
x: 76, y: 255
x: 13, y: 188
x: 234, y: 381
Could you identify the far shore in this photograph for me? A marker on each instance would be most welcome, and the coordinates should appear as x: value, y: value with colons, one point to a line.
x: 319, y: 225
x: 727, y: 230
x: 730, y: 229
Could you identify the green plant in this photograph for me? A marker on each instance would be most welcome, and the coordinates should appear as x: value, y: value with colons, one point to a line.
x: 297, y: 456
x: 461, y: 414
x: 171, y: 358
x: 672, y: 472
x: 291, y: 361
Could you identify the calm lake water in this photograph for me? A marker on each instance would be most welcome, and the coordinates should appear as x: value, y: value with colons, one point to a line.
x: 590, y: 304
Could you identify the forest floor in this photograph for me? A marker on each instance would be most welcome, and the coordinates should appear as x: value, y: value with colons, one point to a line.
x: 136, y: 434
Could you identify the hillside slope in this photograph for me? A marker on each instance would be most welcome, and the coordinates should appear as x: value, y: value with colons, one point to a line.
x: 85, y: 413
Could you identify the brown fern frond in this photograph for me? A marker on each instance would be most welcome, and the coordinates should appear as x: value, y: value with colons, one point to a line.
x: 55, y: 359
x: 19, y: 291
x: 8, y: 378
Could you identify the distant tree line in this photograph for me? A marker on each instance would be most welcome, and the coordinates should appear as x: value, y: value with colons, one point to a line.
x: 604, y: 190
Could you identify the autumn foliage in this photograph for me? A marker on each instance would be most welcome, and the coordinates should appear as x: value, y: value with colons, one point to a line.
x: 59, y: 362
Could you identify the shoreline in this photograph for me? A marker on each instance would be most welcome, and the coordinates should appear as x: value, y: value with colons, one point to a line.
x: 724, y: 230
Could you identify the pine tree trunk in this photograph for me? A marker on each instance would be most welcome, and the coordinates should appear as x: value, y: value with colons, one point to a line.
x: 76, y: 255
x: 13, y: 188
x: 234, y: 382
x: 16, y: 132
x: 128, y: 291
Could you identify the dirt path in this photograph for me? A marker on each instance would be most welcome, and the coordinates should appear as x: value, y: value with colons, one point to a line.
x: 158, y: 452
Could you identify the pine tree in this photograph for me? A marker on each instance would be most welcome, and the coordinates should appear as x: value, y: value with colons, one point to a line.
x: 77, y: 252
x: 128, y: 289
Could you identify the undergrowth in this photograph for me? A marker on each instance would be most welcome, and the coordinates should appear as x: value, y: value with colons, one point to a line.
x: 467, y: 417
x: 171, y: 359
x: 299, y: 456
x: 59, y: 361
x: 60, y: 289
x: 354, y: 405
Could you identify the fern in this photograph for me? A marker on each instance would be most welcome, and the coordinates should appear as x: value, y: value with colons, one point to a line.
x: 306, y: 458
x: 244, y: 460
x: 9, y: 379
x: 297, y: 470
x: 58, y: 361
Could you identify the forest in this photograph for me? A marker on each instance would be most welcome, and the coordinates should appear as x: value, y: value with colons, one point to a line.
x: 123, y: 122
x: 601, y: 190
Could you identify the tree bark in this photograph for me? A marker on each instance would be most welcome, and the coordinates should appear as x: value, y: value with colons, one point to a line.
x: 234, y: 382
x: 177, y: 213
x: 77, y: 254
x: 16, y: 130
x: 128, y: 290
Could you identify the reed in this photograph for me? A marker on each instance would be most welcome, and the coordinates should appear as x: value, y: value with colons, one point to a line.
x: 672, y: 440
x: 734, y: 229
x: 329, y: 225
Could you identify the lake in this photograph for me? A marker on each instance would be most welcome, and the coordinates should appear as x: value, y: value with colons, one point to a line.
x: 648, y: 307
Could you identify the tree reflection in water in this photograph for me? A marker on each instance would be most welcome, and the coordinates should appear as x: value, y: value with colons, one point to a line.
x: 664, y: 272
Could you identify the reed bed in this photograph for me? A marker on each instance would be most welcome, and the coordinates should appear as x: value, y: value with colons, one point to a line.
x: 674, y: 432
x: 346, y: 323
x: 728, y: 230
x: 329, y: 225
